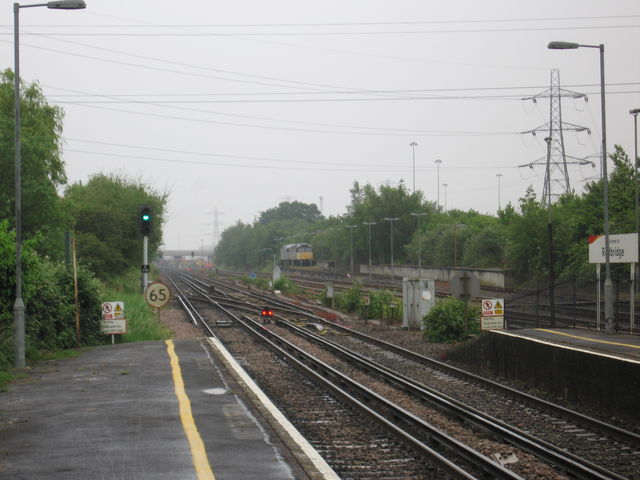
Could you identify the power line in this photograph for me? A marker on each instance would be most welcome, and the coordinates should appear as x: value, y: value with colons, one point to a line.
x: 338, y: 33
x: 431, y: 133
x: 298, y: 165
x: 347, y: 24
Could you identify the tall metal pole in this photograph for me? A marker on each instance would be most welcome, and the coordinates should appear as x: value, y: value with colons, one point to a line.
x: 445, y: 185
x: 609, y: 325
x: 419, y: 237
x: 391, y: 220
x: 413, y: 147
x: 369, y: 225
x: 145, y: 262
x: 499, y: 175
x: 351, y: 227
x: 18, y: 306
x: 552, y: 308
x: 438, y: 162
x: 634, y: 277
x: 635, y: 113
x: 608, y: 284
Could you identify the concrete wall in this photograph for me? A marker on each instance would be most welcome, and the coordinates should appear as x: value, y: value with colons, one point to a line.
x: 592, y: 381
x: 488, y: 277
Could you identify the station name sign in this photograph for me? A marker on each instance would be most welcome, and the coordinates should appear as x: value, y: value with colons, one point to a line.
x: 623, y: 248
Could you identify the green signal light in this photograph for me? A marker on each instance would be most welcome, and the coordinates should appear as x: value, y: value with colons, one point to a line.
x: 146, y: 217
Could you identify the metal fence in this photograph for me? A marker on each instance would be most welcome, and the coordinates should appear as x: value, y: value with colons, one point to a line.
x: 576, y: 305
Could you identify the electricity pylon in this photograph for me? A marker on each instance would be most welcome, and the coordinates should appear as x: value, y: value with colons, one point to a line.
x: 556, y: 181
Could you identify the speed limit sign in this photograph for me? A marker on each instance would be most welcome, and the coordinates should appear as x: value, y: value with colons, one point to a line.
x: 157, y: 294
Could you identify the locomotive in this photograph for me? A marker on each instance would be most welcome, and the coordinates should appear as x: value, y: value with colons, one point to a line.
x: 296, y: 254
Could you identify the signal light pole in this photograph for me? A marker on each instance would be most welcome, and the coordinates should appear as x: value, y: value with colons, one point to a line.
x: 145, y: 217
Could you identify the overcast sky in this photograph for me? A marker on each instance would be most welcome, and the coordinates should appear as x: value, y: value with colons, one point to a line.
x: 237, y: 106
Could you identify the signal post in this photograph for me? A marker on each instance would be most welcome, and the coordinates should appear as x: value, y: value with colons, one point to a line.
x: 145, y: 217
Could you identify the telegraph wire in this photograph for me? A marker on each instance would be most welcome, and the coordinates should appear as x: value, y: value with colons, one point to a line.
x: 349, y: 24
x: 324, y: 34
x: 434, y: 133
x: 299, y: 165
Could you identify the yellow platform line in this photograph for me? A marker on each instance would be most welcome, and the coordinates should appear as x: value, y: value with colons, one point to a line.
x: 589, y: 339
x: 198, y: 452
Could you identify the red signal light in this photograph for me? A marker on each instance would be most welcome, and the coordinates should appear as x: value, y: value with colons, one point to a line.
x: 270, y: 312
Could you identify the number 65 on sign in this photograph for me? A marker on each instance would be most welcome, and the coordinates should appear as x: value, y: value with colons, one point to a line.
x: 157, y: 294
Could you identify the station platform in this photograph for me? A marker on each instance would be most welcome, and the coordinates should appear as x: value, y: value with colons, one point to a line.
x: 619, y: 345
x: 590, y: 370
x: 150, y: 410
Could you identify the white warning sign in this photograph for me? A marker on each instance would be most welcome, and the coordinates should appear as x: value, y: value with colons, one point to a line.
x: 493, y: 307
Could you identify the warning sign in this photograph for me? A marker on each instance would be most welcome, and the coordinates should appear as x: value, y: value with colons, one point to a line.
x: 492, y: 323
x: 493, y: 307
x: 112, y: 310
x: 113, y: 327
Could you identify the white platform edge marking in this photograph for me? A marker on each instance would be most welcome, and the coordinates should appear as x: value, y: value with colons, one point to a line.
x: 313, y: 455
x: 567, y: 347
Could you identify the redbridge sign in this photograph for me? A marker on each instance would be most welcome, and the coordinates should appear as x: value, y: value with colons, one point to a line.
x: 623, y: 248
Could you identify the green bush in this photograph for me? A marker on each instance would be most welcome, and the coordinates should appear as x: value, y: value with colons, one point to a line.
x: 48, y: 295
x: 285, y: 285
x: 350, y: 300
x: 445, y: 322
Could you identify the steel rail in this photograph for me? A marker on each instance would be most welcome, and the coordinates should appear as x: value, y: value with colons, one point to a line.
x: 360, y: 397
x: 600, y: 425
x: 570, y: 463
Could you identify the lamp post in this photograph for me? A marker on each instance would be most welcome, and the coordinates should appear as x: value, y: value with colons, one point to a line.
x: 608, y: 284
x: 18, y: 307
x: 438, y: 162
x: 369, y: 225
x: 635, y: 113
x: 499, y: 175
x: 445, y: 185
x: 419, y: 237
x: 351, y: 227
x: 413, y: 148
x: 391, y: 220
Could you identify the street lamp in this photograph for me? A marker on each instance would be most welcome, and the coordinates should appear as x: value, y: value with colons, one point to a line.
x: 499, y: 175
x: 351, y: 227
x: 635, y: 113
x: 413, y: 147
x: 445, y: 185
x: 419, y: 237
x: 608, y: 285
x: 18, y: 306
x: 391, y: 220
x: 369, y: 225
x: 438, y: 162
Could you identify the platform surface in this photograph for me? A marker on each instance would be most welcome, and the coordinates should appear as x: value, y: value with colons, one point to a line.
x: 114, y: 412
x: 619, y: 345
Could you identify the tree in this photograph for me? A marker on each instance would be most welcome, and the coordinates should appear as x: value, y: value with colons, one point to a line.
x: 42, y: 169
x: 105, y: 216
x: 291, y: 211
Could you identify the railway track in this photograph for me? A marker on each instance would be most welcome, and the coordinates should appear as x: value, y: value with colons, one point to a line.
x: 572, y: 424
